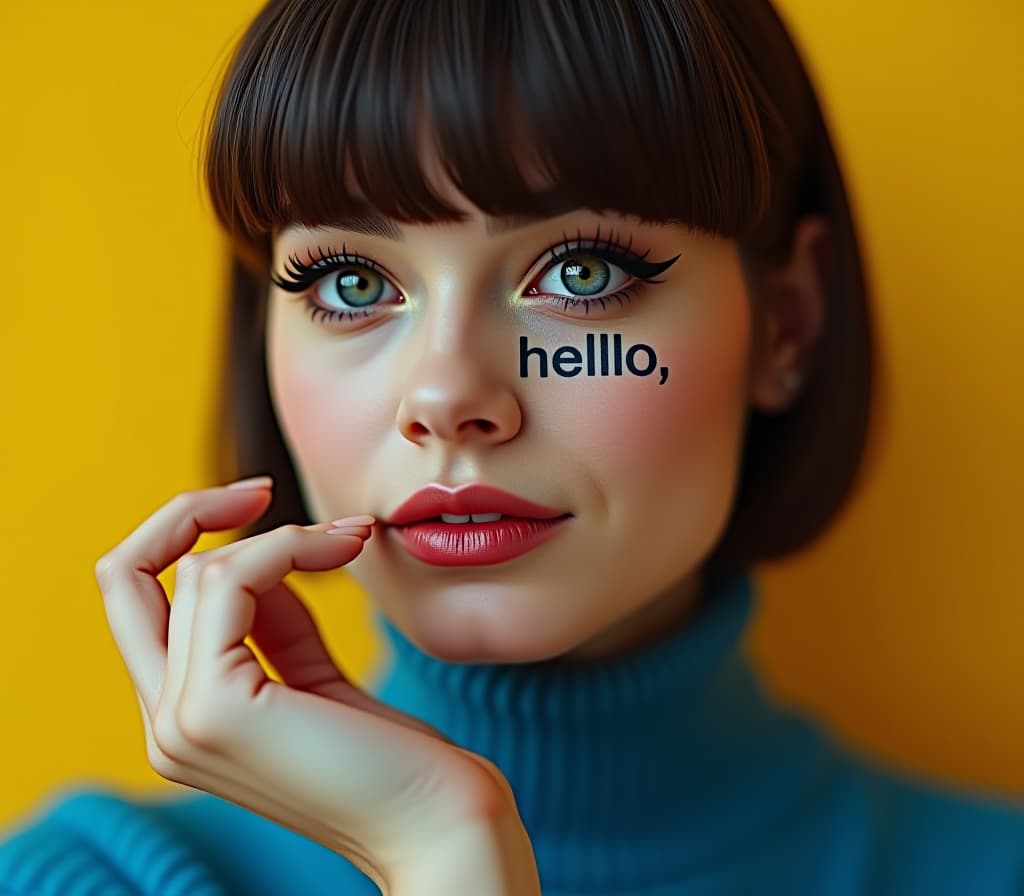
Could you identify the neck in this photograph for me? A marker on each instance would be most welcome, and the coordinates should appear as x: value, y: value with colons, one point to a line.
x: 610, y: 761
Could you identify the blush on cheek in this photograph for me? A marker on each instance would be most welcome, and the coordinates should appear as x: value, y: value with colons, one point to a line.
x: 634, y: 420
x: 324, y: 424
x: 668, y: 452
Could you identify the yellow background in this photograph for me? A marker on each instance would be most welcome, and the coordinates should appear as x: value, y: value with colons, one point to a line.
x: 901, y: 629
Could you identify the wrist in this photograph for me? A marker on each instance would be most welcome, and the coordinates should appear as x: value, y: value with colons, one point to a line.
x: 485, y: 858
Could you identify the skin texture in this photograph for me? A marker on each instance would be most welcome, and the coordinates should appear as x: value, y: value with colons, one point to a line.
x: 428, y: 391
x: 312, y: 752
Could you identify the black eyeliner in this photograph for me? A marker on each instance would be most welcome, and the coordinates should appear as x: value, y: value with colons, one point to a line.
x: 301, y: 275
x: 612, y: 251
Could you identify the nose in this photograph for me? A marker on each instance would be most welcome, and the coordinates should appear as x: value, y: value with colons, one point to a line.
x: 453, y: 399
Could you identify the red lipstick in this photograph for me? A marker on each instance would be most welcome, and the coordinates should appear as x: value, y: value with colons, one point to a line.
x: 510, y: 525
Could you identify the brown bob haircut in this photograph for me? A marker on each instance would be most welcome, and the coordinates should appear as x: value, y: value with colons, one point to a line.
x: 698, y: 112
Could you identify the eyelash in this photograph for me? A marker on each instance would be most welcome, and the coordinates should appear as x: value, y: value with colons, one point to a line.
x: 301, y: 277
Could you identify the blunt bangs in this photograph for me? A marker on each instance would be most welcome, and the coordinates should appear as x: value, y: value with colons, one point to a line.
x: 697, y: 112
x: 341, y: 96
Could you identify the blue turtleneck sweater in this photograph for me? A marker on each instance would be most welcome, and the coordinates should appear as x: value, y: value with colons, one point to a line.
x: 663, y: 772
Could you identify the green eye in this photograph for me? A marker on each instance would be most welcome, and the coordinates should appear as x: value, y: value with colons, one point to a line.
x: 585, y: 274
x: 355, y: 289
x: 339, y: 287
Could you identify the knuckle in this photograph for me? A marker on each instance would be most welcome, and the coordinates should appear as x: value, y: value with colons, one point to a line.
x: 168, y: 740
x: 184, y: 500
x: 201, y: 724
x: 484, y: 792
x: 188, y: 566
x: 188, y: 572
x: 215, y: 570
x: 106, y: 569
x: 162, y: 764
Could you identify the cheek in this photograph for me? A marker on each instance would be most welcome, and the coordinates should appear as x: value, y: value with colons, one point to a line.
x: 329, y: 417
x: 633, y: 419
x: 693, y: 407
x: 669, y: 445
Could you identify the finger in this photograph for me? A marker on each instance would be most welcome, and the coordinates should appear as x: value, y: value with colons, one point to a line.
x: 282, y: 627
x: 225, y: 601
x: 135, y: 601
x: 288, y: 636
x: 183, y: 610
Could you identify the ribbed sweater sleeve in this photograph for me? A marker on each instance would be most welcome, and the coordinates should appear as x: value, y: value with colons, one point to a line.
x: 90, y: 843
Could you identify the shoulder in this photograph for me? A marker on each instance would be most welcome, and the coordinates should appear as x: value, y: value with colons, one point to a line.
x: 931, y: 837
x: 86, y: 841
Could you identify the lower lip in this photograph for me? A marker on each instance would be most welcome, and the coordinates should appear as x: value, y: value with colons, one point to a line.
x: 475, y: 544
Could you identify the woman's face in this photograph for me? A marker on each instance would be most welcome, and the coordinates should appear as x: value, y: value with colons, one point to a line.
x: 422, y: 382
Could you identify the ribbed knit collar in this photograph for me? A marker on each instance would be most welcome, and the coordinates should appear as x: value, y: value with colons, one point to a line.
x: 634, y: 773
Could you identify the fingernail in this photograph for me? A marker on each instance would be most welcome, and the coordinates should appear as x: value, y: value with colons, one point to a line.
x: 363, y: 519
x: 253, y: 482
x: 350, y: 530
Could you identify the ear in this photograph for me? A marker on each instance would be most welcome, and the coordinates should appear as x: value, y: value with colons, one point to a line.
x: 792, y: 301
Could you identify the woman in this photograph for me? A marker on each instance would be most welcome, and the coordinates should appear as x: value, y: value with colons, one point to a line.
x: 549, y: 323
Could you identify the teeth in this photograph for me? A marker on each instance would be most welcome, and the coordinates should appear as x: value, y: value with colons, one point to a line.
x: 466, y: 517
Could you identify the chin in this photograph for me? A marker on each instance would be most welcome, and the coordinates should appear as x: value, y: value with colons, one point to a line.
x: 482, y: 629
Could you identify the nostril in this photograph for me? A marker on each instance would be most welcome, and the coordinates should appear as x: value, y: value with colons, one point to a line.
x: 486, y: 426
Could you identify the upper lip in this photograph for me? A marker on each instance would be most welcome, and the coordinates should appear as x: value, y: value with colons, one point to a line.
x: 433, y: 500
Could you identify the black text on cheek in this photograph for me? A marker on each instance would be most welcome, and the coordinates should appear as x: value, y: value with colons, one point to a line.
x: 602, y: 356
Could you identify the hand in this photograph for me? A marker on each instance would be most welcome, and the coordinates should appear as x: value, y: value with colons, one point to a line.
x: 315, y: 753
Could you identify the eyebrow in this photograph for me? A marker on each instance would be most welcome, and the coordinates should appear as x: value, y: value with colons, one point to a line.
x: 370, y: 222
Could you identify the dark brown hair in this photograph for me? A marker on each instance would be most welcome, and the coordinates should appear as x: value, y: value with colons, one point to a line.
x: 690, y: 111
